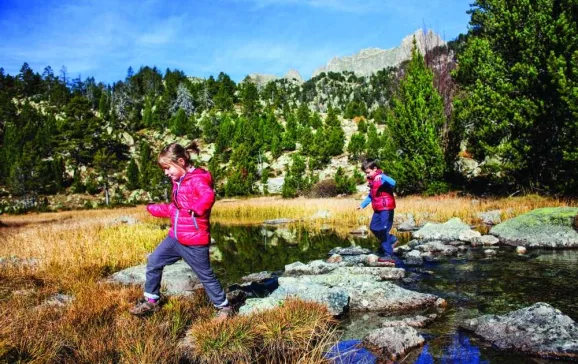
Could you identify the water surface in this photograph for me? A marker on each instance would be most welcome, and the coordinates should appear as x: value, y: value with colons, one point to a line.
x: 472, y: 284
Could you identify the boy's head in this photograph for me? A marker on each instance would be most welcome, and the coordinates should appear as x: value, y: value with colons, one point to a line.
x: 370, y: 167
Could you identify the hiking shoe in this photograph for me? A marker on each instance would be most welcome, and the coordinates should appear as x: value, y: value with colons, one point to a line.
x: 144, y: 307
x: 223, y: 313
x: 386, y: 259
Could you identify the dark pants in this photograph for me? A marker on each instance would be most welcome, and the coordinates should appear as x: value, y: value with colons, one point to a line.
x: 381, y: 223
x: 170, y: 251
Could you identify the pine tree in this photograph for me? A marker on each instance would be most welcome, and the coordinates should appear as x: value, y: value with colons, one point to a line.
x: 132, y: 174
x: 418, y: 159
x: 519, y: 74
x: 356, y: 146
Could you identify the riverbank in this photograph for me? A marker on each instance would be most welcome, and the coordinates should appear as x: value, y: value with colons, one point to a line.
x: 53, y: 265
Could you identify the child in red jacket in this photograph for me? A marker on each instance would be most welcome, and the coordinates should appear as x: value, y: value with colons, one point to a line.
x: 189, y: 235
x: 383, y: 203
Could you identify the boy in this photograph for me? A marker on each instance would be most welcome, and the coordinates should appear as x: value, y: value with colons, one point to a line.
x: 383, y: 204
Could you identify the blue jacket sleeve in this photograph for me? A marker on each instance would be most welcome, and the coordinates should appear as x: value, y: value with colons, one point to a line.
x: 366, y: 201
x: 387, y: 179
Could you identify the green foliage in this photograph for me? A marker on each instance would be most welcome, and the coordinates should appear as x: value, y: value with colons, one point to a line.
x: 296, y: 180
x: 356, y: 146
x: 345, y: 184
x: 519, y: 74
x: 132, y: 175
x: 414, y: 151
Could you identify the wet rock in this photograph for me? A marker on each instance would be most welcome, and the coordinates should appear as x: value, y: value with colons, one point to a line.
x: 490, y: 253
x: 550, y: 227
x: 335, y: 258
x: 416, y: 321
x: 178, y: 278
x: 336, y: 299
x: 393, y: 342
x: 438, y: 247
x: 539, y: 330
x: 315, y: 267
x: 368, y: 292
x: 485, y: 240
x: 453, y: 229
x: 257, y: 277
x: 352, y: 250
x: 413, y: 258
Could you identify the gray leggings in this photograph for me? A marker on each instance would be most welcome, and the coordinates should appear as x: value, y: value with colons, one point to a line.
x: 170, y: 251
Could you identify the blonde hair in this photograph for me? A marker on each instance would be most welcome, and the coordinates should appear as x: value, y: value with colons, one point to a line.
x: 174, y: 151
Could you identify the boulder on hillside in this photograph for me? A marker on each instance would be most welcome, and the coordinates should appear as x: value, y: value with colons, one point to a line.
x: 550, y: 227
x: 538, y: 330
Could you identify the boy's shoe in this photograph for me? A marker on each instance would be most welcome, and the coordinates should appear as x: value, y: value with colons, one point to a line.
x: 386, y: 259
x: 144, y: 307
x: 223, y: 313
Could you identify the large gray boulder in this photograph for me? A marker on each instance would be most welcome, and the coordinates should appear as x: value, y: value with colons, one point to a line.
x: 539, y: 330
x: 393, y: 342
x: 550, y: 227
x: 453, y: 229
x: 178, y: 279
x: 336, y: 299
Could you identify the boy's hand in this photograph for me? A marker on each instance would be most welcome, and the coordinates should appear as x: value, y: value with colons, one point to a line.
x: 378, y: 177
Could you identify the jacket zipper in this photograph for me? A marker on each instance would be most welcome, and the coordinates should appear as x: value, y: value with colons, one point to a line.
x: 178, y: 210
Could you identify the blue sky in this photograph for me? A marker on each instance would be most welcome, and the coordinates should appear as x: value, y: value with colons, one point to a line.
x: 102, y: 38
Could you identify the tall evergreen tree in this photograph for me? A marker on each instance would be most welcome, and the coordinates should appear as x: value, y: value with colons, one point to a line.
x: 518, y: 110
x: 417, y: 159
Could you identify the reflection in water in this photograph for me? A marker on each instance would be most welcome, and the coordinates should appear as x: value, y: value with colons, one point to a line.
x: 459, y: 351
x: 250, y: 249
x: 472, y: 284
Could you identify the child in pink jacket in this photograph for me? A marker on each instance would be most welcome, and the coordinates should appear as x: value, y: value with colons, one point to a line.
x: 189, y: 235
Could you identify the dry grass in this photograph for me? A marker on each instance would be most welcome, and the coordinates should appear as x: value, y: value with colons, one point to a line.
x: 74, y: 250
x: 296, y: 332
x: 344, y: 216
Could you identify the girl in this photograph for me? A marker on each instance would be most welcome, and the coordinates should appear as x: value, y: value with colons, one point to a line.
x: 189, y: 235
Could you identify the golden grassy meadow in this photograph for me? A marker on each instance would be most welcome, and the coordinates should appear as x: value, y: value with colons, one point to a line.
x: 70, y: 252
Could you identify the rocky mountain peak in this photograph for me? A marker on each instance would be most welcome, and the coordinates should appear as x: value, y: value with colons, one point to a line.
x: 371, y: 60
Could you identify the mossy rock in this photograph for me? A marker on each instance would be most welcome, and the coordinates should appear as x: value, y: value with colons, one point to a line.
x: 550, y: 227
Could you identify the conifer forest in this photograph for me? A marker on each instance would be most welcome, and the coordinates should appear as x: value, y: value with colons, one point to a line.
x: 495, y: 111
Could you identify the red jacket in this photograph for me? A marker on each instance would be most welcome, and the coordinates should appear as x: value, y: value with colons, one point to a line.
x: 190, y: 210
x: 381, y: 194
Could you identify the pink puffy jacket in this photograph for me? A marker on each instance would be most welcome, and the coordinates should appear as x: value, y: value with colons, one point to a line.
x: 190, y: 210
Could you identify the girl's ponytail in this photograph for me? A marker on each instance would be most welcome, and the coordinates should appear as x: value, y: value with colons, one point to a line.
x: 193, y: 147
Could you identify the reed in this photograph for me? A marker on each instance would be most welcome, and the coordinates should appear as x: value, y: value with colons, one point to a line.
x: 342, y: 214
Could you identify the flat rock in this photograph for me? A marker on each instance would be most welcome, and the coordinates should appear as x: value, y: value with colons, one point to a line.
x: 550, y: 227
x: 453, y: 229
x: 393, y: 342
x: 539, y: 330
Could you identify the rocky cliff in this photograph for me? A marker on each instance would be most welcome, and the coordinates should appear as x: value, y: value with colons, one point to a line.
x: 371, y: 60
